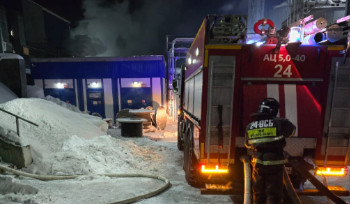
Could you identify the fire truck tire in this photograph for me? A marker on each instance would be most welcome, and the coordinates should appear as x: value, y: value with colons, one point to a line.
x: 180, y: 141
x: 190, y: 161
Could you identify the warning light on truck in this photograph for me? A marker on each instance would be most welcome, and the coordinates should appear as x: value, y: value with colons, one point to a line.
x: 215, y: 170
x: 331, y: 171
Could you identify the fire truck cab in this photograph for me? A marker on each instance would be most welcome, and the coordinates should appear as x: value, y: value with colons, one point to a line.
x: 224, y: 81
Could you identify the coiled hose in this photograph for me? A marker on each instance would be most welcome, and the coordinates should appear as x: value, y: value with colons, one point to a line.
x: 129, y: 200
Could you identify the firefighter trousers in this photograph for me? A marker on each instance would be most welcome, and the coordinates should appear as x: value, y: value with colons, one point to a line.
x: 267, y: 183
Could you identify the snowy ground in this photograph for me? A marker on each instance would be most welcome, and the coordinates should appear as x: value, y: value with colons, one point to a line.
x: 70, y: 142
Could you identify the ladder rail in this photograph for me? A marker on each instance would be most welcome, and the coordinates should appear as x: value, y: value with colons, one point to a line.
x: 17, y: 120
x: 331, y: 113
x: 227, y: 66
x: 347, y: 153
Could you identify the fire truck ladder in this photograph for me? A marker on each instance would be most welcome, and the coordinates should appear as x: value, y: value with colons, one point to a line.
x: 338, y: 131
x: 220, y: 103
x: 338, y: 137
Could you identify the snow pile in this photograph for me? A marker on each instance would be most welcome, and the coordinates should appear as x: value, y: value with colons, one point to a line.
x: 95, y: 120
x: 6, y: 94
x: 8, y: 185
x: 62, y: 103
x: 67, y: 142
x: 9, y: 136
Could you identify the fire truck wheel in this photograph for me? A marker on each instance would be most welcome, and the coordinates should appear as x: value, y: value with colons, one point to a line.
x: 190, y: 161
x: 180, y: 142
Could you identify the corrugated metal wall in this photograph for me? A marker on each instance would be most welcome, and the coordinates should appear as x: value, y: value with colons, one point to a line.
x: 120, y: 83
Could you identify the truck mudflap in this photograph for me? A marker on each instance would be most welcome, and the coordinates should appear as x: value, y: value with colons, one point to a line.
x: 332, y: 192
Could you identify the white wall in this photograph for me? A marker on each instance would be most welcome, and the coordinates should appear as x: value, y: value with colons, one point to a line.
x: 108, y: 98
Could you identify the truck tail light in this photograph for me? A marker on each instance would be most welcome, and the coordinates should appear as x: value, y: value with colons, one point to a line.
x: 213, y: 169
x: 331, y: 171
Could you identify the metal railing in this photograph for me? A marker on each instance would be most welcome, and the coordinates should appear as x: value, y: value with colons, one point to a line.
x: 17, y: 120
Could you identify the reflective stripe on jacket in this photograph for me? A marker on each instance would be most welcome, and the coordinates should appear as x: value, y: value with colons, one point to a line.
x: 264, y: 130
x: 262, y: 140
x: 274, y: 162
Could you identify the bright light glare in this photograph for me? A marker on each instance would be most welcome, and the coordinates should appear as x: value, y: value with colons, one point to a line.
x: 194, y: 61
x: 197, y: 52
x: 136, y: 84
x: 294, y: 34
x: 329, y: 171
x: 94, y: 84
x: 250, y: 41
x: 189, y: 60
x: 60, y: 85
x: 214, y: 171
x: 259, y: 44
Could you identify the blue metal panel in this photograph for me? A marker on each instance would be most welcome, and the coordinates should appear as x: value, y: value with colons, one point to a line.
x: 99, y: 68
x: 139, y: 97
x: 115, y: 97
x: 67, y: 95
x: 95, y: 100
x: 104, y: 69
x: 80, y: 94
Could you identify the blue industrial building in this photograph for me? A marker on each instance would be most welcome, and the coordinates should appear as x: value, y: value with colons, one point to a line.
x: 104, y: 85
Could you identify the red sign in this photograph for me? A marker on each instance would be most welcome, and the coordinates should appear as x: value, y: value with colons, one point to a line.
x: 289, y: 63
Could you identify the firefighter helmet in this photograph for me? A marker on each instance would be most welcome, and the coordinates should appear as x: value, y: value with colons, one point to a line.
x: 268, y: 107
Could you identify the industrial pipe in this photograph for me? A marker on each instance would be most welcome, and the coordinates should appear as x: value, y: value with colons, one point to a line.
x: 247, y: 180
x: 129, y: 200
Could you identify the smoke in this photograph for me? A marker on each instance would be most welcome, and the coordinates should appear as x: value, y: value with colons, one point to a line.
x: 139, y: 27
x: 240, y: 8
x: 83, y: 46
x: 282, y: 5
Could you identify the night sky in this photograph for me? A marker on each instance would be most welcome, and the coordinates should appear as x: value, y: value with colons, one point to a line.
x: 134, y: 27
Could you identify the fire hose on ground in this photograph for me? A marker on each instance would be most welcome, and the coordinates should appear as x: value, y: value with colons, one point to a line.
x: 247, y: 183
x: 247, y: 179
x: 129, y: 200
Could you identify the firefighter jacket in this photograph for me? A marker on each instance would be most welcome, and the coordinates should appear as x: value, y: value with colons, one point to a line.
x: 266, y: 137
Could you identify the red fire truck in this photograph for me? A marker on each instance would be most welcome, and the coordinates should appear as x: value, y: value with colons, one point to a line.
x: 222, y: 84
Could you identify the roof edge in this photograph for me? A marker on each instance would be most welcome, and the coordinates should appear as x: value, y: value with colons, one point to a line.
x: 100, y: 59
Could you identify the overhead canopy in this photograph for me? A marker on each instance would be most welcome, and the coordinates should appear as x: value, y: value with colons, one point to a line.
x: 98, y: 67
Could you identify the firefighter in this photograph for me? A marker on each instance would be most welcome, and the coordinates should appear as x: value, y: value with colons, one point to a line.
x: 265, y: 140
